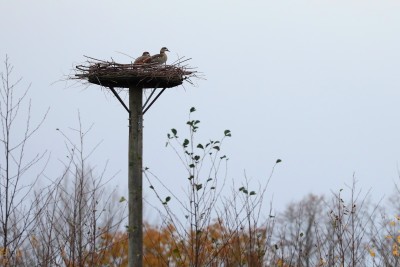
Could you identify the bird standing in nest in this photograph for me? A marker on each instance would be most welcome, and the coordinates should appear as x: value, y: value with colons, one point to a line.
x: 142, y: 58
x: 158, y: 59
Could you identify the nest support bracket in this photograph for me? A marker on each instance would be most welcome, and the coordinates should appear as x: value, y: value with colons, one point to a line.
x: 119, y: 99
x: 146, y: 105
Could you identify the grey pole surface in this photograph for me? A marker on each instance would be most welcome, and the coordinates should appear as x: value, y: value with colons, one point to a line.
x: 135, y: 165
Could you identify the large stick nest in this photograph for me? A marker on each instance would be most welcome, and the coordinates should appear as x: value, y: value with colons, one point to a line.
x: 112, y: 74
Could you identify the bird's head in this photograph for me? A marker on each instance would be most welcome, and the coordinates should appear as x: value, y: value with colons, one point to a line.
x: 146, y: 54
x: 164, y: 49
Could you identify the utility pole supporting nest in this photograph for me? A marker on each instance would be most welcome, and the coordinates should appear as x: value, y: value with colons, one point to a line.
x: 136, y: 78
x: 135, y: 164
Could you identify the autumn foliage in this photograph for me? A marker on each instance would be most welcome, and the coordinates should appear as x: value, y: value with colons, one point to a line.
x: 162, y: 249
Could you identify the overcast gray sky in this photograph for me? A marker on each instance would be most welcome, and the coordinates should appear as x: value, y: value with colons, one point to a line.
x: 315, y: 83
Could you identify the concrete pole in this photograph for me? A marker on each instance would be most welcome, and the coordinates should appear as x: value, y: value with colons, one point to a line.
x: 135, y: 166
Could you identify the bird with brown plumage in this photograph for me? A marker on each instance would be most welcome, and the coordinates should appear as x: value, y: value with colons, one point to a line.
x: 158, y: 59
x: 142, y: 58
